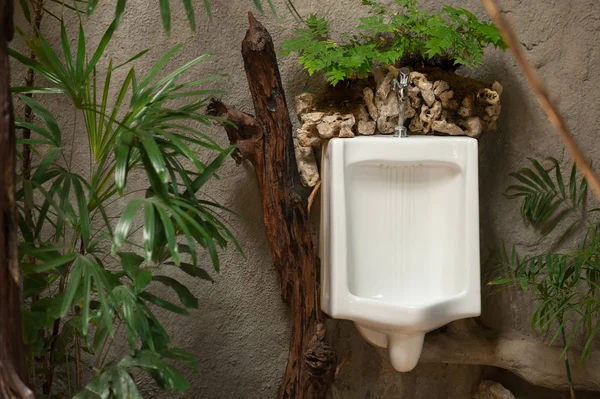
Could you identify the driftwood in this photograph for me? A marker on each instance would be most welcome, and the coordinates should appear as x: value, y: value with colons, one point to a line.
x: 13, y: 371
x: 266, y: 141
x: 466, y: 342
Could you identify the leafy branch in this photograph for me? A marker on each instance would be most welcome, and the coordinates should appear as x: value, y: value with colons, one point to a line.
x: 393, y: 35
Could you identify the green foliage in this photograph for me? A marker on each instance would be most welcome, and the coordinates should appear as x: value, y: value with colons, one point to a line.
x: 389, y: 36
x: 86, y: 282
x: 546, y: 200
x: 564, y: 284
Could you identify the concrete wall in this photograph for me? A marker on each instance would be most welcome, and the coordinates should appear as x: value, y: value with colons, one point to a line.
x: 240, y: 333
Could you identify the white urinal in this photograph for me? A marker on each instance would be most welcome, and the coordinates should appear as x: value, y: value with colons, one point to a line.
x: 400, y: 237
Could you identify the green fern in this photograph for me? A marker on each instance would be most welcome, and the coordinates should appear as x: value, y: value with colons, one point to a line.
x: 388, y: 36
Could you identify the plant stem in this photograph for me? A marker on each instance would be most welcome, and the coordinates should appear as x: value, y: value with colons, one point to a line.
x: 567, y: 366
x: 38, y: 13
x: 109, y: 346
x: 68, y: 368
x: 77, y: 364
x: 47, y: 386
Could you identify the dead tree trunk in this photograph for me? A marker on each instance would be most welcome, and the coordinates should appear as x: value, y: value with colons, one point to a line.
x: 266, y: 141
x: 13, y: 371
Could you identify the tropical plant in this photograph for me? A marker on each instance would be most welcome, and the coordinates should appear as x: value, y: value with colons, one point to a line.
x: 565, y: 283
x: 85, y: 281
x: 453, y: 37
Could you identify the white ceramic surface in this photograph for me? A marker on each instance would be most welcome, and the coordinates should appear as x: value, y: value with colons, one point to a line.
x: 400, y: 237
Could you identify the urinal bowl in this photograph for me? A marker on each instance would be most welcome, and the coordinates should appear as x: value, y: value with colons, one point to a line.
x: 400, y: 237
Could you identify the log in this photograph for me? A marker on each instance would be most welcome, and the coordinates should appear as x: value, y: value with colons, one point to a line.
x: 466, y: 342
x: 266, y: 141
x: 13, y: 370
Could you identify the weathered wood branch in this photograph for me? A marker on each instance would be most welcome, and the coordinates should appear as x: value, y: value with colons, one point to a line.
x: 242, y: 130
x: 13, y: 371
x: 266, y: 141
x: 466, y: 342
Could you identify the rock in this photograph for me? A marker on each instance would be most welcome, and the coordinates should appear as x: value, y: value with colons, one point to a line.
x: 428, y: 115
x: 497, y: 87
x: 493, y: 110
x: 308, y: 136
x: 368, y: 97
x: 428, y: 97
x: 312, y: 117
x: 330, y: 126
x: 366, y: 126
x: 416, y: 126
x: 335, y: 125
x: 488, y: 96
x: 415, y: 76
x: 447, y: 100
x: 426, y: 92
x: 467, y: 108
x: 443, y: 126
x: 424, y: 86
x: 414, y: 98
x: 305, y: 102
x: 439, y: 87
x: 474, y: 126
x: 387, y: 126
x: 388, y: 113
x: 385, y: 86
x: 492, y: 390
x: 307, y: 165
x: 409, y: 111
x: 347, y: 123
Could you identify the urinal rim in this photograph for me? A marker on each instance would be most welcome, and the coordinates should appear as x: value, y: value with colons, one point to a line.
x: 386, y: 317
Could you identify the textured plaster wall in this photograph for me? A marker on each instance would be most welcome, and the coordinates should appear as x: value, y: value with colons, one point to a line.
x: 240, y: 333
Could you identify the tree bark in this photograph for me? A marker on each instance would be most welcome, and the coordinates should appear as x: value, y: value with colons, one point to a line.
x: 266, y: 141
x: 13, y: 371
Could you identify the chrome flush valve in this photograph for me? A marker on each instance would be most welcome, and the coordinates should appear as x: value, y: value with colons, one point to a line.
x: 400, y: 86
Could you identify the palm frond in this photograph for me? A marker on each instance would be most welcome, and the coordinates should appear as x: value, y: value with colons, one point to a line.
x: 153, y: 123
x: 545, y: 201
